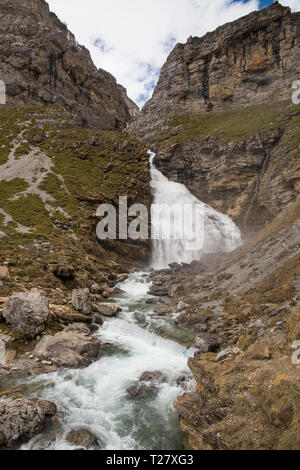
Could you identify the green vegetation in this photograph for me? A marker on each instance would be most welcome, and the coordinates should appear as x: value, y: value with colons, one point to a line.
x: 88, y: 167
x: 233, y: 124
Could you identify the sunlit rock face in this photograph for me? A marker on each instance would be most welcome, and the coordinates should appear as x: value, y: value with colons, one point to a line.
x: 42, y: 63
x: 251, y: 60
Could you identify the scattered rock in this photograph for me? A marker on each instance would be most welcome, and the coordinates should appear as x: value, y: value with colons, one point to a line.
x: 108, y: 310
x: 153, y: 377
x: 228, y: 353
x: 4, y: 273
x: 81, y: 300
x: 225, y: 277
x: 207, y: 343
x: 27, y: 312
x: 182, y: 306
x: 98, y: 319
x: 82, y: 438
x: 22, y: 419
x: 95, y: 288
x: 69, y: 349
x: 65, y: 273
x: 142, y: 391
x: 158, y: 291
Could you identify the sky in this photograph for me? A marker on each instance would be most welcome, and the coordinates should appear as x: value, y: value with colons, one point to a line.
x: 132, y: 38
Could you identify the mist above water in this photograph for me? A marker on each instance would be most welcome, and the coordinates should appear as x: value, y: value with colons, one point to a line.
x: 217, y: 231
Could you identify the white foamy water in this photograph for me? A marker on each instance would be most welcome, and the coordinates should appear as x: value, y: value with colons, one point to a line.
x: 96, y: 399
x: 218, y: 231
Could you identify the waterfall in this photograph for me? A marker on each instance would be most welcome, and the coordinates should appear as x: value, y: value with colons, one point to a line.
x: 219, y: 232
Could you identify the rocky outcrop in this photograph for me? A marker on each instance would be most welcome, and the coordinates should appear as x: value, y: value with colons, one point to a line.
x: 74, y: 347
x: 251, y: 178
x: 27, y: 312
x: 108, y: 310
x: 42, y: 64
x: 81, y: 300
x: 249, y: 61
x: 22, y: 419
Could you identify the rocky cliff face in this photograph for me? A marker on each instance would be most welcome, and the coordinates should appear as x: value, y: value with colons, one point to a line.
x: 252, y: 60
x: 244, y: 162
x: 41, y: 63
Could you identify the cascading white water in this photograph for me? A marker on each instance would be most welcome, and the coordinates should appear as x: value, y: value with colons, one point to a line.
x: 219, y: 232
x: 96, y: 398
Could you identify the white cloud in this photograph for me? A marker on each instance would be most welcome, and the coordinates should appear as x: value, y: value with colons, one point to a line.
x: 132, y: 38
x: 293, y: 4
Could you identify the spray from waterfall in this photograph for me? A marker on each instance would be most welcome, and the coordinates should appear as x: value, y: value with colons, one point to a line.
x: 219, y: 232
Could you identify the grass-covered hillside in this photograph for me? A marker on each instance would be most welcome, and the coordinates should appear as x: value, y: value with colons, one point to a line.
x: 53, y: 176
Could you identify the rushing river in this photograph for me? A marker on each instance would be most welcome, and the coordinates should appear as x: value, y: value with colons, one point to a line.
x: 96, y: 398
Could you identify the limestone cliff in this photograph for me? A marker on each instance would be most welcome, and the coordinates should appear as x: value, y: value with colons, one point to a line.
x: 42, y: 63
x: 249, y: 61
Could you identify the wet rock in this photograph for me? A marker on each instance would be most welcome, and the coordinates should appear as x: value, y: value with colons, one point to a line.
x: 142, y: 391
x: 108, y: 310
x: 27, y: 312
x: 78, y: 328
x: 158, y: 291
x: 43, y: 443
x: 82, y: 438
x: 98, y: 319
x: 69, y: 349
x: 181, y: 380
x: 175, y: 266
x: 22, y: 419
x: 153, y: 377
x: 153, y: 301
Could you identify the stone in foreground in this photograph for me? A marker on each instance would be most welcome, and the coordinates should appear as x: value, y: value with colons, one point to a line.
x: 82, y: 438
x: 22, y: 419
x: 81, y: 300
x: 27, y: 312
x: 69, y: 349
x: 108, y: 310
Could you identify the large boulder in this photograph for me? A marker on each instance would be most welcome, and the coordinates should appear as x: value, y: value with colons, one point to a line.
x: 82, y: 438
x: 27, y: 312
x: 69, y: 348
x: 22, y: 419
x: 153, y: 377
x: 81, y: 301
x: 108, y: 310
